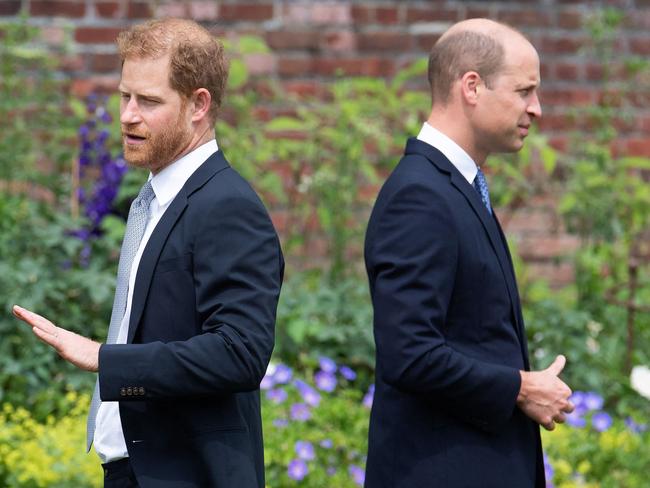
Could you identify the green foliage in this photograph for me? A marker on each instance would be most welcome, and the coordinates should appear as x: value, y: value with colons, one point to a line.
x: 47, y: 453
x: 584, y: 457
x: 316, y: 318
x: 41, y: 270
x: 32, y: 102
x: 340, y: 418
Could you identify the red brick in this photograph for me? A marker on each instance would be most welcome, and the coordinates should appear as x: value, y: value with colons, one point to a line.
x: 172, y: 10
x: 204, y: 10
x: 431, y: 14
x: 260, y: 63
x: 96, y: 35
x: 640, y: 46
x: 527, y: 221
x: 293, y: 40
x: 562, y: 45
x: 384, y: 41
x: 72, y: 63
x: 55, y: 8
x: 295, y: 66
x: 566, y: 71
x: 556, y: 121
x: 525, y: 18
x: 569, y: 19
x: 245, y: 11
x: 548, y: 247
x: 9, y: 7
x: 367, y: 66
x: 638, y: 146
x: 53, y: 36
x: 426, y: 41
x: 386, y: 15
x: 139, y: 10
x: 559, y: 142
x: 105, y: 63
x: 595, y: 72
x: 567, y: 96
x: 317, y: 13
x: 108, y: 9
x: 474, y: 12
x: 82, y: 87
x: 306, y: 88
x: 339, y: 41
x: 362, y: 14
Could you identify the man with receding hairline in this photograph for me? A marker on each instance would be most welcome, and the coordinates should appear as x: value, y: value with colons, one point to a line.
x: 455, y: 403
x: 177, y: 401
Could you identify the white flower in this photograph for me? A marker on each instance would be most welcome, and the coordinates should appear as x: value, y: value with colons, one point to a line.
x: 640, y: 380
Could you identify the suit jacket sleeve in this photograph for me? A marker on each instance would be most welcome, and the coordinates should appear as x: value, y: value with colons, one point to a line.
x: 237, y: 271
x: 412, y: 252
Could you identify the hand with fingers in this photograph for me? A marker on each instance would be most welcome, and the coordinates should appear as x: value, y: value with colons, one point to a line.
x: 76, y: 349
x: 543, y: 396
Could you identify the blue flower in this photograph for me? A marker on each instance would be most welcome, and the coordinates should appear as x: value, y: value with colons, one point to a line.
x: 549, y: 472
x: 297, y: 469
x: 280, y: 422
x: 369, y: 397
x: 300, y: 411
x: 347, y: 373
x: 267, y: 382
x: 325, y: 381
x: 282, y: 374
x: 309, y: 394
x: 634, y: 427
x: 593, y: 401
x: 277, y: 395
x: 601, y: 421
x: 326, y: 364
x: 575, y: 419
x: 326, y: 443
x: 305, y: 450
x: 331, y: 471
x: 358, y: 474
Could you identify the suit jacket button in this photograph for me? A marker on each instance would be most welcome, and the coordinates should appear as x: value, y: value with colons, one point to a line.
x: 129, y: 391
x: 141, y: 391
x: 123, y: 391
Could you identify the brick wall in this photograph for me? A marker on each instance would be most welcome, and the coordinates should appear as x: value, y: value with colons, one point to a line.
x: 313, y: 40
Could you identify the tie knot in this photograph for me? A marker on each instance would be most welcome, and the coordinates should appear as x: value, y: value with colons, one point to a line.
x: 146, y: 194
x: 481, y: 186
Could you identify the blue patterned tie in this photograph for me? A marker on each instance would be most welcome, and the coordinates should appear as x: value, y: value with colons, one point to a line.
x: 480, y: 185
x: 135, y: 226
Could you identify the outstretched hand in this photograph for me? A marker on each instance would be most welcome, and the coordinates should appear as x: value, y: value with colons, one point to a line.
x: 76, y: 349
x: 543, y: 396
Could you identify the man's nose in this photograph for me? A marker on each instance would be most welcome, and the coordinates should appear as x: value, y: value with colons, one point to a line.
x: 129, y: 113
x: 535, y: 107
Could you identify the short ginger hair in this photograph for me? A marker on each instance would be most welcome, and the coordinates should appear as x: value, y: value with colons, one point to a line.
x: 456, y: 54
x: 197, y: 59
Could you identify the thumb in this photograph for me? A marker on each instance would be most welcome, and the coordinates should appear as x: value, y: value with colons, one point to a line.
x: 557, y: 366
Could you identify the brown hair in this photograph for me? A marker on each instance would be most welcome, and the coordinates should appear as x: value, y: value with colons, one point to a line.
x: 456, y: 54
x: 197, y: 59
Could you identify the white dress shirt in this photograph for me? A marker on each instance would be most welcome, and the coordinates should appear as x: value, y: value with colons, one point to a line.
x: 109, y: 439
x: 452, y: 151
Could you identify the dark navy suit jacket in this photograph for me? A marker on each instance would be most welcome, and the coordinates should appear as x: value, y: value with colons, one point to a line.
x: 449, y: 334
x: 200, y: 337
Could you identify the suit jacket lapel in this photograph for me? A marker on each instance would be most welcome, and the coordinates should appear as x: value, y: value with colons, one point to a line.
x: 489, y: 224
x: 152, y: 250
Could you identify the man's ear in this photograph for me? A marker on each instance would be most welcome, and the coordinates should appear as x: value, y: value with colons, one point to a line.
x: 201, y: 100
x: 471, y: 85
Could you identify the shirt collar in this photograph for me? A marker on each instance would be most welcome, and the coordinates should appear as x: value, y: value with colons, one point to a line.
x: 452, y: 151
x: 170, y: 180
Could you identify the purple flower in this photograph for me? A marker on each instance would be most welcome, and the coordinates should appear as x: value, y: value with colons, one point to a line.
x: 331, y: 471
x: 325, y: 381
x: 593, y: 401
x: 634, y: 427
x: 297, y: 469
x: 575, y: 419
x: 326, y: 443
x: 282, y: 374
x: 305, y: 450
x: 367, y: 400
x: 280, y: 422
x: 309, y: 394
x: 267, y: 382
x: 326, y: 364
x: 357, y: 473
x: 300, y: 411
x: 277, y: 395
x: 601, y: 421
x: 347, y: 373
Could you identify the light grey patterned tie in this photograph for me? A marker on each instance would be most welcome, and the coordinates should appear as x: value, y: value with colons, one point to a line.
x: 480, y: 184
x: 135, y: 226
